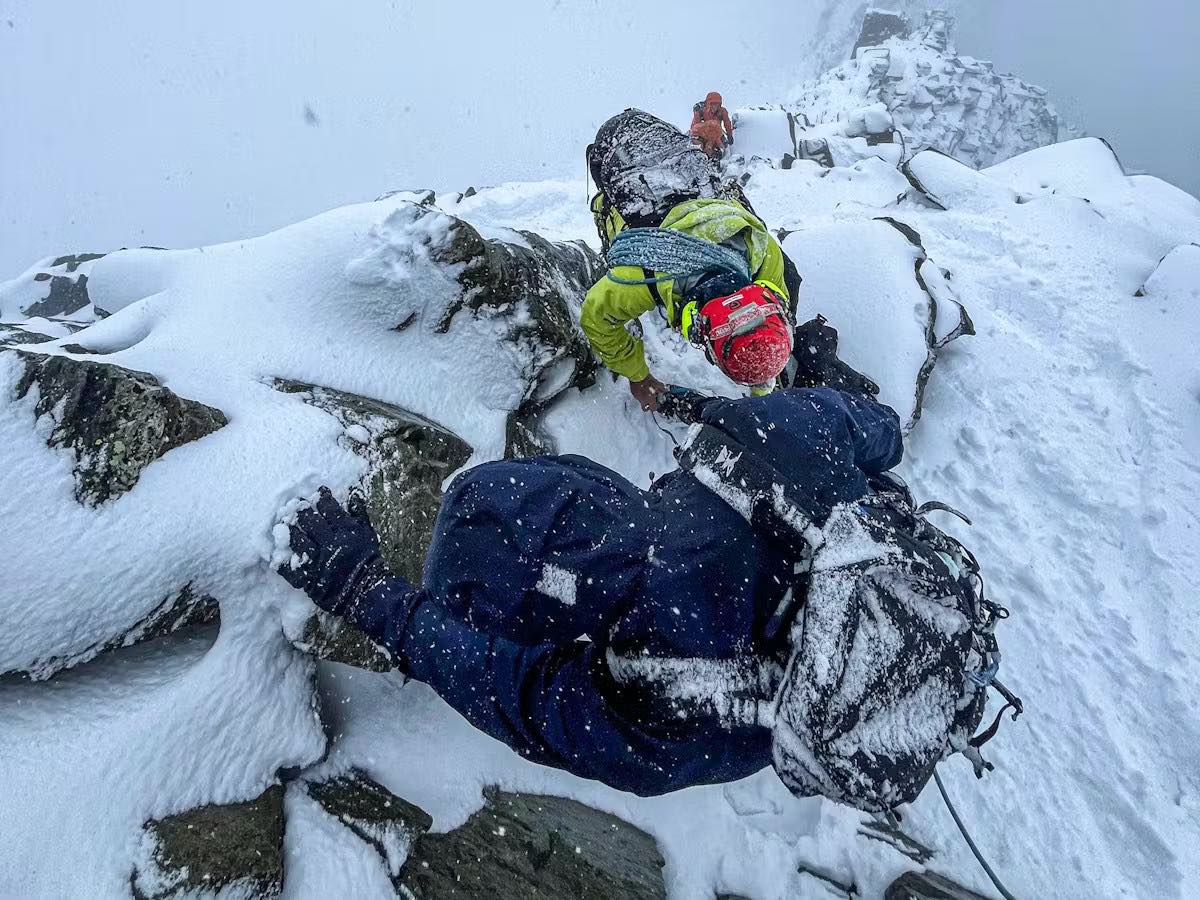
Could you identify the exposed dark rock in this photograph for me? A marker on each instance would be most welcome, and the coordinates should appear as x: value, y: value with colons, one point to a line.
x: 878, y: 25
x: 68, y: 292
x: 409, y: 458
x: 816, y: 149
x: 116, y: 421
x: 330, y: 638
x: 11, y: 334
x: 897, y: 839
x: 80, y: 350
x: 935, y: 282
x: 237, y: 848
x: 928, y: 886
x: 73, y: 261
x: 833, y: 883
x: 525, y: 846
x: 544, y: 277
x: 376, y: 815
x: 180, y: 610
x: 67, y: 295
x: 404, y: 490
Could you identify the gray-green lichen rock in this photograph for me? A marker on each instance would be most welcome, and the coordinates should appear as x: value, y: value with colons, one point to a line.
x: 928, y: 886
x: 15, y: 334
x: 337, y: 640
x: 548, y: 278
x: 409, y: 457
x: 529, y: 846
x: 374, y: 814
x: 233, y: 850
x: 115, y: 421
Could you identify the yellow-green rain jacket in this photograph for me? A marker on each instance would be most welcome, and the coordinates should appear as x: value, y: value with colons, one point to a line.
x: 609, y: 305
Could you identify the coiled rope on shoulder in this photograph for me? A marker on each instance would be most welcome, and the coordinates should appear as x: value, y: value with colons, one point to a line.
x: 681, y: 255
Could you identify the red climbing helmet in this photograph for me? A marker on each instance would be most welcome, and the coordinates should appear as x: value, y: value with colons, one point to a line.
x: 746, y: 334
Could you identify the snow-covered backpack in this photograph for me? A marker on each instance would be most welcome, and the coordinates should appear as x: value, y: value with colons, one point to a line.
x: 645, y: 166
x: 891, y: 640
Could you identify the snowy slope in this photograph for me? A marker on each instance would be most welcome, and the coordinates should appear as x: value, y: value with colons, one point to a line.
x: 1067, y: 429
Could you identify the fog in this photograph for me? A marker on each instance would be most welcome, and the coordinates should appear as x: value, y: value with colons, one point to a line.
x: 1121, y: 69
x: 183, y: 123
x: 176, y: 124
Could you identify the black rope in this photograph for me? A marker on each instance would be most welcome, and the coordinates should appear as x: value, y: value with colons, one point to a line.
x: 657, y: 425
x: 1004, y: 892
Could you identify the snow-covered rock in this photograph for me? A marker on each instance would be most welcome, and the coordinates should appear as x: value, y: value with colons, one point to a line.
x: 886, y: 300
x: 521, y: 845
x: 378, y: 347
x: 56, y: 288
x: 381, y: 347
x: 908, y: 92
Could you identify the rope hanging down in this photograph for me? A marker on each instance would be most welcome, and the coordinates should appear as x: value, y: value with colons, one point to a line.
x: 1004, y: 892
x: 682, y: 255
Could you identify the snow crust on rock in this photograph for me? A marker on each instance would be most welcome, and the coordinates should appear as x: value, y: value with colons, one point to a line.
x: 1064, y: 428
x: 908, y: 93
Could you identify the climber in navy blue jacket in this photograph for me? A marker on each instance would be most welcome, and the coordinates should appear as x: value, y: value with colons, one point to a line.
x: 620, y: 634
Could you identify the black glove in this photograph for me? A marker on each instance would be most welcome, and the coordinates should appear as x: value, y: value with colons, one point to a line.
x: 683, y: 404
x: 815, y: 346
x: 333, y: 549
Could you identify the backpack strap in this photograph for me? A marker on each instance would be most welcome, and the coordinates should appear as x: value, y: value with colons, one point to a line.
x: 652, y: 284
x: 773, y: 504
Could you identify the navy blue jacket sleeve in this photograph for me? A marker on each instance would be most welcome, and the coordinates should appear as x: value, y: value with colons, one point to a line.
x: 874, y: 430
x: 542, y: 700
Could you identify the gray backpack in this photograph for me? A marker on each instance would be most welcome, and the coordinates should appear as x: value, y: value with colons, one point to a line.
x: 891, y: 639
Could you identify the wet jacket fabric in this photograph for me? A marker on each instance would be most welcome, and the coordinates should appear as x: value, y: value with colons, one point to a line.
x: 610, y: 306
x: 702, y: 113
x: 617, y: 633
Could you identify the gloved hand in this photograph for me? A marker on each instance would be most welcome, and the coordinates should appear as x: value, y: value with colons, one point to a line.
x: 684, y: 404
x: 332, y: 550
x: 729, y: 141
x: 815, y: 348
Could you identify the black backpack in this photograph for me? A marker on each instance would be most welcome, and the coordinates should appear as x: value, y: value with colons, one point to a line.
x: 645, y: 166
x: 890, y: 640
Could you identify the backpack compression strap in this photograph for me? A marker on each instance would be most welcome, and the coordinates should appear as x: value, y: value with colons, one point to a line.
x: 769, y: 501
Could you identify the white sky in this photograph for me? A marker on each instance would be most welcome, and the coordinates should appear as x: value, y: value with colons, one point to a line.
x: 177, y: 122
x: 1127, y: 70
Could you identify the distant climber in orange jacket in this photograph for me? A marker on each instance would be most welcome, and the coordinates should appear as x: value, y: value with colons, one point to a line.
x: 711, y: 128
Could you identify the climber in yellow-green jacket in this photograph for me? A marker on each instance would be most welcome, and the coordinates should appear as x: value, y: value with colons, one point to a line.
x: 677, y: 240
